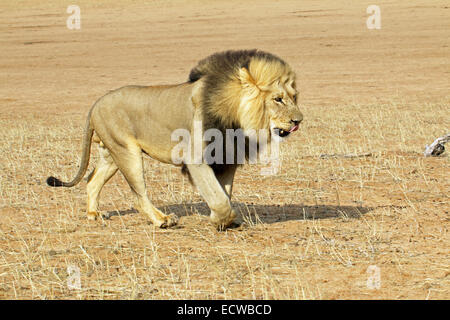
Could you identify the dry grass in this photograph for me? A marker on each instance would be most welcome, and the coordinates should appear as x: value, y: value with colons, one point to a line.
x: 310, y: 233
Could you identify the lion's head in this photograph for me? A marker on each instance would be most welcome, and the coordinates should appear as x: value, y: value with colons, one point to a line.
x: 248, y: 89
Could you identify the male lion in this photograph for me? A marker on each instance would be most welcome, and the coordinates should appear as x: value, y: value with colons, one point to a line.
x: 246, y: 89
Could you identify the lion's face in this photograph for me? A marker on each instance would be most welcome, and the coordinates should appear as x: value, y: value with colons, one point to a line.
x: 252, y: 90
x: 269, y: 98
x: 282, y: 108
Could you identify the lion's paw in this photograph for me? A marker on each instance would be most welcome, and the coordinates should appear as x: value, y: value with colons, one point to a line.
x: 92, y: 215
x: 169, y: 221
x: 224, y: 223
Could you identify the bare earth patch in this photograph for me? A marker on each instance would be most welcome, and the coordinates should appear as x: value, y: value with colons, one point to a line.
x: 309, y: 232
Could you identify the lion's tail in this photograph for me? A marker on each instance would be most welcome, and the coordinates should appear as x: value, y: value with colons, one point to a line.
x: 55, y: 182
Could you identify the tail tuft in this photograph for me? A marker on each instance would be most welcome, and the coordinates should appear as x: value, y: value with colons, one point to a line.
x: 54, y: 182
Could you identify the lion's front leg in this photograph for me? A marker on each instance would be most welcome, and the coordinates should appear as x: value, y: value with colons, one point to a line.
x: 225, y: 175
x: 222, y: 216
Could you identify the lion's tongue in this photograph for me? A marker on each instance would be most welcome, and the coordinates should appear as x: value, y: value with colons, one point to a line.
x: 294, y: 128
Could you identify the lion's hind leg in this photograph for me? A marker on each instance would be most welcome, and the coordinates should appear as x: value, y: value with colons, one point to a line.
x: 129, y: 161
x: 104, y: 170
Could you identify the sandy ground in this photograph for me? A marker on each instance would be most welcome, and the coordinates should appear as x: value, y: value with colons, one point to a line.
x: 313, y: 231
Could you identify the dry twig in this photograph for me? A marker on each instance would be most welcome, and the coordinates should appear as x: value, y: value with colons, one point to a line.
x: 437, y: 147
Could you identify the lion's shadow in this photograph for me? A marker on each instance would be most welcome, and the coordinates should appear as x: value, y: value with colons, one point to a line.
x: 265, y: 213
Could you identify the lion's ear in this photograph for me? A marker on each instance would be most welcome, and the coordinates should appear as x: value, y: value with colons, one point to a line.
x: 246, y: 78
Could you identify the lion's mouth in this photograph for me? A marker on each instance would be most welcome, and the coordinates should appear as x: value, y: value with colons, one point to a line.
x: 283, y: 132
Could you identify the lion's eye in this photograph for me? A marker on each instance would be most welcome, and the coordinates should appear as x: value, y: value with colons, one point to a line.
x: 279, y: 99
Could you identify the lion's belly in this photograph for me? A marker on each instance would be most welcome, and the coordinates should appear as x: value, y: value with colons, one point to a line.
x: 158, y: 150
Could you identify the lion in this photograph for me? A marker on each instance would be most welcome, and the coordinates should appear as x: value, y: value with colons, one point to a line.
x: 235, y: 89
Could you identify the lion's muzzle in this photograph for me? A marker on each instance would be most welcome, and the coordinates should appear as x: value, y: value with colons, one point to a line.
x: 285, y: 132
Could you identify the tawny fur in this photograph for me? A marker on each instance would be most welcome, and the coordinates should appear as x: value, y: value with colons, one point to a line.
x: 247, y: 89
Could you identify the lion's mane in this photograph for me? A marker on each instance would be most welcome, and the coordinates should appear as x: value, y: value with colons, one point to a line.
x: 234, y: 83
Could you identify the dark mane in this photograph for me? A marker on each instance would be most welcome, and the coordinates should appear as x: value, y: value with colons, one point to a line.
x: 223, y: 64
x: 217, y: 71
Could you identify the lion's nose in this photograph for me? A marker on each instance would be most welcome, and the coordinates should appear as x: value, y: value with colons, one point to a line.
x: 296, y: 122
